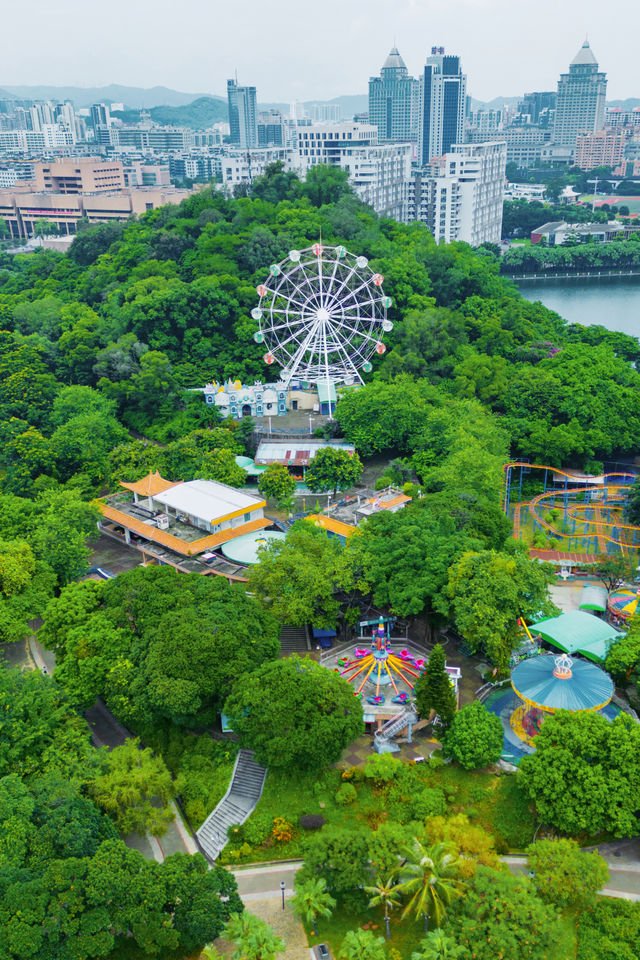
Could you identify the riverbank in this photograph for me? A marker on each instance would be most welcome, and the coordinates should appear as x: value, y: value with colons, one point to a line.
x: 573, y: 275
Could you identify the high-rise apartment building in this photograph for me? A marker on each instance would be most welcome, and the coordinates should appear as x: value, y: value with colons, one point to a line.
x: 393, y: 100
x: 581, y: 98
x: 243, y: 115
x: 602, y: 148
x: 442, y: 102
x: 538, y: 107
x: 460, y: 196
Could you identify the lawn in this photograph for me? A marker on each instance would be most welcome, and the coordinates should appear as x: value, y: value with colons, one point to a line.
x: 493, y: 802
x: 405, y: 934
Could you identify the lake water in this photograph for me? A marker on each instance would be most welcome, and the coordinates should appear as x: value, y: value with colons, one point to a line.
x: 613, y: 303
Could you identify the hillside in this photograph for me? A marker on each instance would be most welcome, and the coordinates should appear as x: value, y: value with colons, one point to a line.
x: 200, y: 114
x: 133, y: 97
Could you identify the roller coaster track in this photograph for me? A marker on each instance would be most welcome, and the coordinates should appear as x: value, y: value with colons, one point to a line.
x: 615, y: 495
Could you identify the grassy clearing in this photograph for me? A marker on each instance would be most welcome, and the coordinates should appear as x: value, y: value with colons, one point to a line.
x: 493, y: 802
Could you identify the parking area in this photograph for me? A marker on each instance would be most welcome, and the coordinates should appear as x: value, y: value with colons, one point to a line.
x: 114, y: 557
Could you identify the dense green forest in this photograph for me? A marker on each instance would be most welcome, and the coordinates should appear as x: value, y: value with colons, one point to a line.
x: 99, y: 349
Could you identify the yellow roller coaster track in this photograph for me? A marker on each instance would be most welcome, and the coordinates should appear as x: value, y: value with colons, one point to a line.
x: 614, y: 495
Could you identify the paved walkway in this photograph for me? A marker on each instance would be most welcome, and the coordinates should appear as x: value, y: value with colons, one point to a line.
x: 624, y: 878
x: 260, y: 890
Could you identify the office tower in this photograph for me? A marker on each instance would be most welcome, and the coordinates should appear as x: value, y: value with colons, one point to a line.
x: 581, y: 99
x: 442, y: 103
x: 537, y: 108
x: 271, y: 130
x: 100, y: 116
x: 393, y: 100
x: 243, y: 118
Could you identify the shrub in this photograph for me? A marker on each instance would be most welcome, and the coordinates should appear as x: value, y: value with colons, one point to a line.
x: 346, y: 794
x: 354, y: 774
x: 382, y: 768
x: 312, y: 821
x: 430, y: 802
x: 258, y: 828
x: 471, y: 813
x: 282, y: 831
x: 235, y: 832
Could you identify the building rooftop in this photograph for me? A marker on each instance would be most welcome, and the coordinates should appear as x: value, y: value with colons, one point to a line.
x: 584, y: 56
x: 150, y: 485
x: 394, y: 61
x: 208, y: 500
x: 296, y: 453
x: 181, y: 538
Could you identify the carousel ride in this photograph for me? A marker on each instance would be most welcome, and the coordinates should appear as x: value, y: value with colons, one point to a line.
x: 379, y: 665
x: 548, y: 683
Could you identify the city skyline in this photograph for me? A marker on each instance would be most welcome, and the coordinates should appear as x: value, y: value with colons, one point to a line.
x: 294, y: 54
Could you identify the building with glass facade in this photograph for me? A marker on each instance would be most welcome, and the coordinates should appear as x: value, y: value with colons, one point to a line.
x: 442, y: 102
x: 393, y: 101
x: 581, y: 98
x: 243, y: 116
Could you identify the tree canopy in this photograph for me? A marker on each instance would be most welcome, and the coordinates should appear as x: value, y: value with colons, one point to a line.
x: 295, y: 714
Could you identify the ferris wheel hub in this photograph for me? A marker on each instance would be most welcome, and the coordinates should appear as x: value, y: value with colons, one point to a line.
x: 323, y: 315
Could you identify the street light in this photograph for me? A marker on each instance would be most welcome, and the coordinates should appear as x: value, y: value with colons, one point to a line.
x: 310, y: 425
x: 282, y: 886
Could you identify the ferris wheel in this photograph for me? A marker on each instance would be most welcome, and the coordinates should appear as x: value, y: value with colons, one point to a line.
x: 321, y: 315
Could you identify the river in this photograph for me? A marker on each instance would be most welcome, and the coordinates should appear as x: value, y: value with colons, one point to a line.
x: 613, y: 303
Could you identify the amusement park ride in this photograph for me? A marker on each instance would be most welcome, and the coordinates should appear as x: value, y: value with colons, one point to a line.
x: 591, y: 508
x: 321, y: 316
x: 382, y: 666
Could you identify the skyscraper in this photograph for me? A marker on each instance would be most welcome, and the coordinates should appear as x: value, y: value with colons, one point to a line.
x: 581, y: 99
x: 243, y: 118
x: 393, y: 100
x: 442, y: 101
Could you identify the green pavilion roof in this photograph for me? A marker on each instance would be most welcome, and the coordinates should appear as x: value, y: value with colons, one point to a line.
x: 578, y: 632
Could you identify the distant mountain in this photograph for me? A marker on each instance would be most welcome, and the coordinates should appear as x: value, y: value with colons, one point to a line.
x: 5, y: 95
x: 629, y: 104
x: 199, y: 115
x: 495, y: 104
x: 350, y: 104
x: 133, y: 97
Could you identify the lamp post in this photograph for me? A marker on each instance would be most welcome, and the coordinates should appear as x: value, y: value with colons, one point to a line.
x: 426, y: 924
x: 282, y: 886
x: 310, y: 425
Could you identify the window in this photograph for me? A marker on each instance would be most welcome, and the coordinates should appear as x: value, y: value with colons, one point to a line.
x: 247, y: 517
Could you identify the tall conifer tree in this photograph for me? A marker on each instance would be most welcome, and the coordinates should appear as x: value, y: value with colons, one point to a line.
x: 434, y: 690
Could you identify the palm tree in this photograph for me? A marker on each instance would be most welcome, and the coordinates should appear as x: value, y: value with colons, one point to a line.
x: 384, y: 895
x: 254, y: 939
x: 429, y: 877
x: 362, y: 945
x: 312, y: 899
x: 437, y: 946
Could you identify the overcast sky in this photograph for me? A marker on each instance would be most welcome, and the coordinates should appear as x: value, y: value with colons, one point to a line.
x: 296, y: 49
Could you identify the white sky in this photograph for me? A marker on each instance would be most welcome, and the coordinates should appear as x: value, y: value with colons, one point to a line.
x: 296, y: 49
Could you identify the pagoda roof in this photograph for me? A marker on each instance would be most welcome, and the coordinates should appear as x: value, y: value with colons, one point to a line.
x: 150, y: 485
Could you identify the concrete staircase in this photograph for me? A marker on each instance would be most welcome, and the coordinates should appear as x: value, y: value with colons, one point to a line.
x: 383, y: 738
x: 237, y: 805
x: 294, y: 640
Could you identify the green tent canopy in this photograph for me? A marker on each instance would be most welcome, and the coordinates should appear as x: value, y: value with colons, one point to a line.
x: 593, y: 598
x: 578, y: 632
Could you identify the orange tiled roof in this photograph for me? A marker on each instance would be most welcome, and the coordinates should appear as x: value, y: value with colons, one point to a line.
x: 150, y: 485
x: 186, y: 548
x: 395, y: 501
x: 334, y: 526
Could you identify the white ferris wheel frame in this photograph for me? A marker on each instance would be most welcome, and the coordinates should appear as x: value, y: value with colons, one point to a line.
x: 321, y: 315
